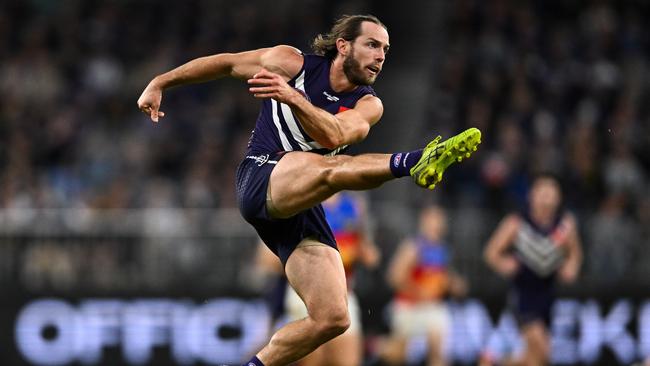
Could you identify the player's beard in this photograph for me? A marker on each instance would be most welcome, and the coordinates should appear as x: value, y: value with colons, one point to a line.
x: 354, y: 72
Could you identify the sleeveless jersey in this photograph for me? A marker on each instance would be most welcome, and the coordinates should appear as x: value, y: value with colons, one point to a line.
x: 344, y: 217
x: 430, y: 273
x: 278, y: 129
x: 540, y: 252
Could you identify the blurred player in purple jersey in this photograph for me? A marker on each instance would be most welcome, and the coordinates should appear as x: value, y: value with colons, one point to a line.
x: 533, y: 249
x: 314, y: 106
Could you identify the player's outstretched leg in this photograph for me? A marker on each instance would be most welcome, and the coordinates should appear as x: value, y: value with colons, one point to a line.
x: 438, y: 156
x: 301, y: 180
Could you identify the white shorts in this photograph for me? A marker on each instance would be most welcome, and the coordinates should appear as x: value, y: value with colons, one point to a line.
x: 295, y: 309
x: 410, y: 320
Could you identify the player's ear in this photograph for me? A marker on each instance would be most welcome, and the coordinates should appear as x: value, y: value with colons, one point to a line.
x: 342, y: 46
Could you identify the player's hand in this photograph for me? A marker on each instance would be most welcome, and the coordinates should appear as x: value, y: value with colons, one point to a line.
x: 266, y: 84
x: 507, y: 266
x: 149, y: 101
x: 568, y: 274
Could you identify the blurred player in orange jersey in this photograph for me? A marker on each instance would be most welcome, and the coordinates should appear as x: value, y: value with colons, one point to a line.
x: 534, y: 249
x: 421, y: 276
x: 346, y: 213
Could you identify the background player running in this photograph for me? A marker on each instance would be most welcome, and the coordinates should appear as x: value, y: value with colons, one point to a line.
x: 421, y: 275
x: 313, y: 107
x: 533, y: 249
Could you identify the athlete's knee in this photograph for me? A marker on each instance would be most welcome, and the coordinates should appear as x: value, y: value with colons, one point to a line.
x: 334, y: 322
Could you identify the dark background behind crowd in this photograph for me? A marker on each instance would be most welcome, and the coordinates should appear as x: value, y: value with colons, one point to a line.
x: 96, y: 199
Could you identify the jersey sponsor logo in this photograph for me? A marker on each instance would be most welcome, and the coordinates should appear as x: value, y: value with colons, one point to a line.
x: 330, y: 97
x: 260, y: 159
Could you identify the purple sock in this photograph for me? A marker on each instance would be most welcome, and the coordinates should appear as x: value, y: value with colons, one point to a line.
x: 254, y: 362
x: 401, y: 163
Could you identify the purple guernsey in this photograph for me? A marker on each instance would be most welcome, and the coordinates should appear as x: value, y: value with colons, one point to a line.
x: 278, y: 129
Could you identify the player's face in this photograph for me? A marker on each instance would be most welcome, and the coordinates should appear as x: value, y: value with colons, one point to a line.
x: 367, y: 53
x: 433, y: 223
x: 545, y: 196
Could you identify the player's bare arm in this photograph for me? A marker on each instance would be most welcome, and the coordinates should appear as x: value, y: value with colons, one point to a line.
x: 343, y: 128
x: 403, y: 259
x: 496, y: 252
x: 331, y: 131
x: 284, y: 61
x: 400, y: 267
x: 569, y: 271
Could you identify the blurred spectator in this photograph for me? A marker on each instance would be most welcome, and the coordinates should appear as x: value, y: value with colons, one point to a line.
x: 48, y: 265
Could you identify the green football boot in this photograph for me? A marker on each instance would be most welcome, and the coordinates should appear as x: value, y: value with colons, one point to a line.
x: 438, y: 156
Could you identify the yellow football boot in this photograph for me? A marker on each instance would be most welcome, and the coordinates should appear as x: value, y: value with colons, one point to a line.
x: 438, y: 156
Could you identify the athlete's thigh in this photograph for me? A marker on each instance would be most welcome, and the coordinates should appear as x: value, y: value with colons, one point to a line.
x: 316, y: 273
x: 297, y: 181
